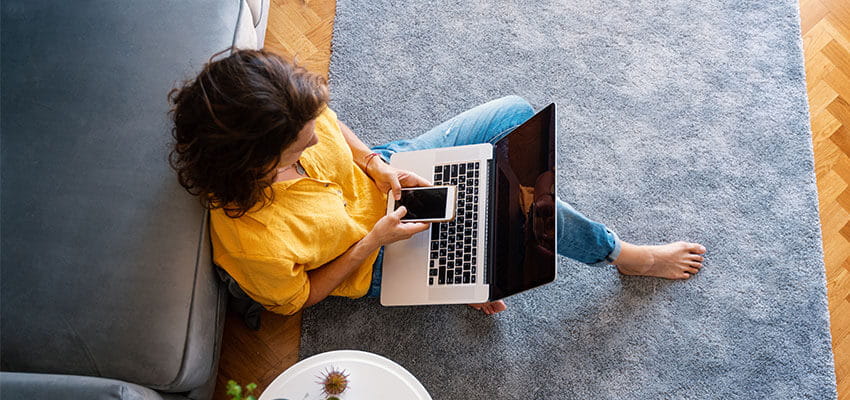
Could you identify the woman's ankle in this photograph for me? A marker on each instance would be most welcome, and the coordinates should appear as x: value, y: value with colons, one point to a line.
x: 633, y: 259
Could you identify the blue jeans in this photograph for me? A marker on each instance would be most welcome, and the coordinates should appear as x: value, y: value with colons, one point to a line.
x: 579, y: 238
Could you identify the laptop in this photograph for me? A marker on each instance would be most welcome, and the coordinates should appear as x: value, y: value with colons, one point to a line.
x: 502, y: 240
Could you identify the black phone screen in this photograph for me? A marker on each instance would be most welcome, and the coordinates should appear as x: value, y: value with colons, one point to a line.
x: 424, y: 203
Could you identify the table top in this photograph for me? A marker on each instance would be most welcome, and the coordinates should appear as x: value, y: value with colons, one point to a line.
x: 370, y: 376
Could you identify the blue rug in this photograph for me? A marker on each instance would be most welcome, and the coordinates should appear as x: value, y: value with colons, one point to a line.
x: 678, y: 120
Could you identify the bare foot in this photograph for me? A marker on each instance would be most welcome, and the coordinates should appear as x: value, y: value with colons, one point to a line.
x: 490, y: 308
x: 679, y: 260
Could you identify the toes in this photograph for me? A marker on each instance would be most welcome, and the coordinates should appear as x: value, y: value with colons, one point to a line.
x: 483, y: 307
x: 694, y: 264
x: 685, y: 275
x: 696, y: 248
x: 695, y: 257
x: 490, y: 308
x: 691, y: 271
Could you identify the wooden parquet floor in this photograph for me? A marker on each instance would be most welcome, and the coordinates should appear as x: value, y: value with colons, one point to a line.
x: 826, y: 45
x: 303, y: 29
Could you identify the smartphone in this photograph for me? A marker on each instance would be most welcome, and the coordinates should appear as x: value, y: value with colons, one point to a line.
x: 426, y: 204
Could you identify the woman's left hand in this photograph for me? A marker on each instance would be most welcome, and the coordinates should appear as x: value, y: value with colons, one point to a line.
x: 388, y: 177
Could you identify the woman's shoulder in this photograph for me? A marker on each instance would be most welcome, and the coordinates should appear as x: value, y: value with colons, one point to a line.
x: 328, y: 113
x: 289, y: 203
x: 327, y: 126
x: 255, y: 232
x: 234, y: 229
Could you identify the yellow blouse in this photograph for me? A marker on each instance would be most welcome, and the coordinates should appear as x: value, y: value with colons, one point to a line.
x: 311, y: 221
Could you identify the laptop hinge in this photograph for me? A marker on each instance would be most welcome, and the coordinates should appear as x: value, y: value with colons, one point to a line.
x: 491, y: 227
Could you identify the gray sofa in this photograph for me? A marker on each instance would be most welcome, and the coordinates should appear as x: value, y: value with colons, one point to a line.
x: 106, y: 282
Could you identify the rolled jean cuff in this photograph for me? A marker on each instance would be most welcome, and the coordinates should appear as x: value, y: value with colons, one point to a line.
x: 618, y: 247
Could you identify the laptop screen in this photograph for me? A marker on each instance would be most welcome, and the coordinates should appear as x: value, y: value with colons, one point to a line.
x: 522, y: 250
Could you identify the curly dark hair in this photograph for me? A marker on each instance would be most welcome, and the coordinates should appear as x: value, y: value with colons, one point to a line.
x: 232, y: 122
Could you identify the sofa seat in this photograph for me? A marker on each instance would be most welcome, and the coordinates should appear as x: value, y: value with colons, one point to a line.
x: 46, y: 386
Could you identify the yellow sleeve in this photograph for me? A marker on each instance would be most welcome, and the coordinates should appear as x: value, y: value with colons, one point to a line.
x: 281, y: 286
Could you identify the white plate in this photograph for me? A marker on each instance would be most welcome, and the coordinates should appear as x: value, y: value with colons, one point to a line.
x: 370, y: 376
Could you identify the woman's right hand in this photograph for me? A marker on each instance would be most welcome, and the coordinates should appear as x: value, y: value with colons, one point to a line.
x: 390, y: 229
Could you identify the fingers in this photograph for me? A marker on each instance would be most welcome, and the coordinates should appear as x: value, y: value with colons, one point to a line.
x: 399, y: 213
x: 410, y: 228
x: 396, y: 187
x: 414, y: 227
x: 405, y: 230
x: 409, y: 179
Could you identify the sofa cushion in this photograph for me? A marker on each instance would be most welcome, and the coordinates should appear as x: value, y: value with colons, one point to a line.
x: 257, y: 11
x: 246, y: 33
x: 19, y: 386
x: 104, y: 258
x: 260, y: 16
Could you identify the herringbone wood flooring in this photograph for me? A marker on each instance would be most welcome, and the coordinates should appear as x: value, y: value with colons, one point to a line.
x: 826, y: 44
x: 303, y: 29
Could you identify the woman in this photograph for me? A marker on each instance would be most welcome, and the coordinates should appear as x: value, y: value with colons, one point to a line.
x: 297, y: 202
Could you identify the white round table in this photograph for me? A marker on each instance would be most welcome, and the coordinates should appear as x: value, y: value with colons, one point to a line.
x: 370, y: 376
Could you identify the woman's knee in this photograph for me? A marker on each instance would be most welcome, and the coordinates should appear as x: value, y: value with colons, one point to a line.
x: 516, y: 105
x: 517, y: 101
x: 510, y: 112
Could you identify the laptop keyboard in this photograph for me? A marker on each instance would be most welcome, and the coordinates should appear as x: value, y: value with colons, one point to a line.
x: 454, y: 244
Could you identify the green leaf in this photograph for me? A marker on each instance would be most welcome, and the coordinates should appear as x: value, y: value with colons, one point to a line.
x: 250, y: 387
x: 251, y: 398
x: 233, y: 389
